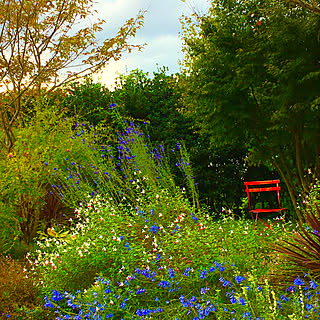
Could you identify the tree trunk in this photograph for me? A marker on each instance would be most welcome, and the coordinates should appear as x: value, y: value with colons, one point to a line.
x: 291, y: 190
x: 298, y: 151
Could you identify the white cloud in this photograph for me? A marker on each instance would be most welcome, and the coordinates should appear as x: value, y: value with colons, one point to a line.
x: 162, y: 51
x: 116, y: 12
x: 160, y: 32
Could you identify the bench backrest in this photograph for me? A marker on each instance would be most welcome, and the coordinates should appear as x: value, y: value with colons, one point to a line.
x: 262, y: 186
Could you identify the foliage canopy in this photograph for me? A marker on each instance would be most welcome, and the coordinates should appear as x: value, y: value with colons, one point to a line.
x: 44, y: 44
x: 252, y: 79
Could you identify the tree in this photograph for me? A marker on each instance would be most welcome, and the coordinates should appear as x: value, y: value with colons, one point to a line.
x: 253, y: 72
x: 88, y: 101
x: 43, y: 46
x: 155, y: 100
x: 219, y: 173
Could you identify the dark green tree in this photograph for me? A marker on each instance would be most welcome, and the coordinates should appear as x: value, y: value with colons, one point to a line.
x: 219, y: 172
x: 89, y: 101
x: 155, y: 100
x: 252, y: 80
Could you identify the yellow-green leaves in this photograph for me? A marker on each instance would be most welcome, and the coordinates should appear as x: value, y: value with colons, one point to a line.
x: 42, y: 45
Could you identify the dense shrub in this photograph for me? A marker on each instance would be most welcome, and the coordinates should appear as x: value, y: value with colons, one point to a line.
x: 29, y: 200
x: 19, y: 294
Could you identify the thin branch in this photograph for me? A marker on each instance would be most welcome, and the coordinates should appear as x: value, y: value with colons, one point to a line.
x: 315, y: 8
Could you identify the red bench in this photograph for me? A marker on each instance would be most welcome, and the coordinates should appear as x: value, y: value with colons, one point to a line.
x: 265, y: 186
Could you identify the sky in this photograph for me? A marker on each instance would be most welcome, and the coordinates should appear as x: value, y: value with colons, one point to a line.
x: 161, y: 33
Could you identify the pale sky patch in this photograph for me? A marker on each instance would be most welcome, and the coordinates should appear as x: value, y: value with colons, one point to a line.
x: 160, y: 32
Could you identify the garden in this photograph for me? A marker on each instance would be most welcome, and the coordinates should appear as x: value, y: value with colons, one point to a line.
x: 140, y: 247
x: 130, y: 203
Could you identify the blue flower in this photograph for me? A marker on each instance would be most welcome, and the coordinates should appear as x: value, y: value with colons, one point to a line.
x: 154, y: 228
x: 164, y: 284
x: 239, y: 279
x: 291, y: 289
x: 139, y: 291
x: 227, y: 283
x: 233, y: 300
x: 246, y: 314
x: 171, y: 273
x: 298, y: 282
x: 186, y: 272
x: 49, y: 304
x: 203, y: 274
x: 313, y: 285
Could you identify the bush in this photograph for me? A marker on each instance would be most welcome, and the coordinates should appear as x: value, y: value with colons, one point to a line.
x: 19, y: 295
x: 137, y: 192
x: 302, y: 250
x: 179, y: 275
x: 137, y: 247
x: 29, y: 202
